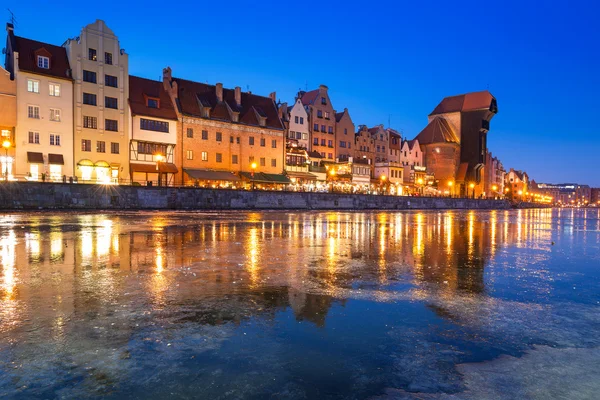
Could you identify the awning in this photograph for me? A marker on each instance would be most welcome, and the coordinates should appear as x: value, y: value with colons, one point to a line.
x: 115, y: 165
x: 85, y: 163
x: 151, y: 168
x: 301, y: 175
x: 461, y: 175
x: 208, y: 175
x: 262, y: 177
x: 35, y: 158
x: 102, y: 164
x: 56, y: 159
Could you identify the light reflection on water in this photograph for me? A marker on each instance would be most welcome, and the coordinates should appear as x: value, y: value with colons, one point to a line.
x: 92, y: 305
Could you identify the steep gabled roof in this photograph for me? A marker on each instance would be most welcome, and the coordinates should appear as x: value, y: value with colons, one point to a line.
x: 28, y: 49
x: 437, y: 131
x: 309, y: 98
x: 465, y: 102
x: 195, y: 95
x: 338, y: 116
x: 140, y: 89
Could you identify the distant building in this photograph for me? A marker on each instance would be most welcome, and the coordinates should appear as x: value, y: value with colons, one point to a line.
x: 516, y: 184
x: 43, y: 135
x: 344, y: 132
x: 394, y: 145
x: 298, y: 132
x: 411, y: 159
x: 595, y: 196
x: 571, y: 194
x: 322, y: 121
x: 364, y: 148
x: 455, y: 140
x: 381, y: 143
x: 494, y: 176
x: 8, y: 123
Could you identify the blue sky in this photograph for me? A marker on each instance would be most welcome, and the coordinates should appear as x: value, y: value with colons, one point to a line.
x: 381, y: 59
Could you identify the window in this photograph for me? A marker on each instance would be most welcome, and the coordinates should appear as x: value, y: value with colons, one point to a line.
x: 349, y: 145
x: 219, y: 137
x: 342, y: 144
x: 251, y: 140
x: 234, y: 159
x: 274, y: 144
x: 273, y: 162
x: 263, y: 161
x: 152, y: 103
x: 190, y: 154
x: 43, y: 62
x: 330, y: 155
x: 190, y: 133
x: 345, y: 131
x: 33, y: 86
x: 316, y: 128
x: 34, y: 137
x: 296, y: 119
x: 204, y: 156
x: 89, y: 98
x: 54, y: 89
x: 33, y: 112
x: 319, y: 114
x: 301, y: 120
x: 331, y: 129
x: 152, y: 125
x: 316, y: 141
x: 100, y: 146
x: 151, y: 148
x: 323, y: 142
x: 92, y: 55
x: 326, y: 114
x: 330, y: 143
x: 323, y: 128
x: 298, y: 135
x: 110, y: 80
x: 251, y: 159
x: 108, y: 58
x: 237, y: 140
x: 90, y: 122
x: 114, y: 148
x: 304, y: 136
x: 292, y: 135
x: 89, y: 76
x: 323, y: 100
x: 263, y: 142
x: 230, y: 139
x: 219, y: 157
x: 111, y: 125
x: 323, y: 154
x: 111, y: 102
x: 54, y: 139
x: 378, y: 148
x: 55, y: 114
x: 86, y: 145
x: 204, y: 135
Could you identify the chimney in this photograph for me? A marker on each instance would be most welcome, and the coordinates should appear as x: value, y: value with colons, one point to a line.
x: 9, y: 27
x: 219, y: 89
x: 323, y: 87
x: 238, y: 96
x: 273, y: 97
x: 283, y: 111
x: 167, y: 78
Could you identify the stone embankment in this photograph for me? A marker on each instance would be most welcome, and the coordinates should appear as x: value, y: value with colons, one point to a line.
x: 59, y: 196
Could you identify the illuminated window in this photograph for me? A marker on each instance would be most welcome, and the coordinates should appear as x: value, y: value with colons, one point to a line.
x: 33, y: 86
x: 43, y: 62
x: 54, y: 89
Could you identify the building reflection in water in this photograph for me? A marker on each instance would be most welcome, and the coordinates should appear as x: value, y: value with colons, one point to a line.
x: 256, y: 263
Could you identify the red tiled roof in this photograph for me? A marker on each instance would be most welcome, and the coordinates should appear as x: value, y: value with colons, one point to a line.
x: 437, y: 131
x: 140, y: 89
x: 338, y: 116
x: 465, y: 102
x: 28, y: 49
x: 191, y: 94
x: 310, y: 97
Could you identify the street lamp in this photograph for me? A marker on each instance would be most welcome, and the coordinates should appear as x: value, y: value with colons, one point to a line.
x: 6, y: 144
x: 420, y: 183
x: 472, y: 186
x: 159, y: 158
x: 253, y: 168
x: 332, y: 174
x: 450, y: 184
x: 495, y: 189
x: 383, y: 178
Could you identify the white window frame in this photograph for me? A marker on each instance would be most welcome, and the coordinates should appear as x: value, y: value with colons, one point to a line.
x: 33, y: 86
x: 54, y: 139
x: 204, y: 156
x: 54, y: 89
x: 54, y: 112
x: 43, y: 62
x: 190, y: 154
x: 33, y: 108
x: 35, y: 139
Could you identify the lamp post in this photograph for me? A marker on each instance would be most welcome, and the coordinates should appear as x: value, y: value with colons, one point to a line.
x: 450, y: 184
x: 253, y: 168
x: 159, y: 158
x: 383, y: 178
x: 420, y: 183
x: 332, y: 174
x: 6, y: 144
x: 472, y: 186
x: 494, y: 189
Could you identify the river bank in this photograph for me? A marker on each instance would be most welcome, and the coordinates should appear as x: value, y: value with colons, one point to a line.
x: 57, y: 196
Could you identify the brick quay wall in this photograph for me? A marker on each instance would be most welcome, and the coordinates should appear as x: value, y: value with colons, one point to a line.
x: 58, y: 196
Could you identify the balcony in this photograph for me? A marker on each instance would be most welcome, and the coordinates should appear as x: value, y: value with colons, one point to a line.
x: 312, y: 168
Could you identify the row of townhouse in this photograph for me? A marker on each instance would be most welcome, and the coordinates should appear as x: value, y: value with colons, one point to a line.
x: 73, y: 112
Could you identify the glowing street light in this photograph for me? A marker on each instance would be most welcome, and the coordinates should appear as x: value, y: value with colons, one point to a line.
x: 159, y: 158
x: 6, y: 144
x: 383, y: 178
x: 253, y: 168
x: 472, y: 186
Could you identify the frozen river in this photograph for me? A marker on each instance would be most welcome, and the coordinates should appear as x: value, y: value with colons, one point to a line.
x: 276, y: 305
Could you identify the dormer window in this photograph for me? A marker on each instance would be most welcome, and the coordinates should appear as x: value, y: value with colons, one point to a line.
x: 152, y: 102
x: 43, y: 62
x: 323, y: 100
x: 262, y: 121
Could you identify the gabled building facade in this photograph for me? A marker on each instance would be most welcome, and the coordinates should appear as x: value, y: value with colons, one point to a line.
x: 100, y: 69
x: 224, y: 130
x: 381, y: 143
x: 322, y: 121
x: 394, y: 145
x: 43, y: 138
x: 364, y: 148
x: 8, y: 123
x: 298, y: 129
x: 344, y: 131
x: 411, y: 159
x: 153, y: 133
